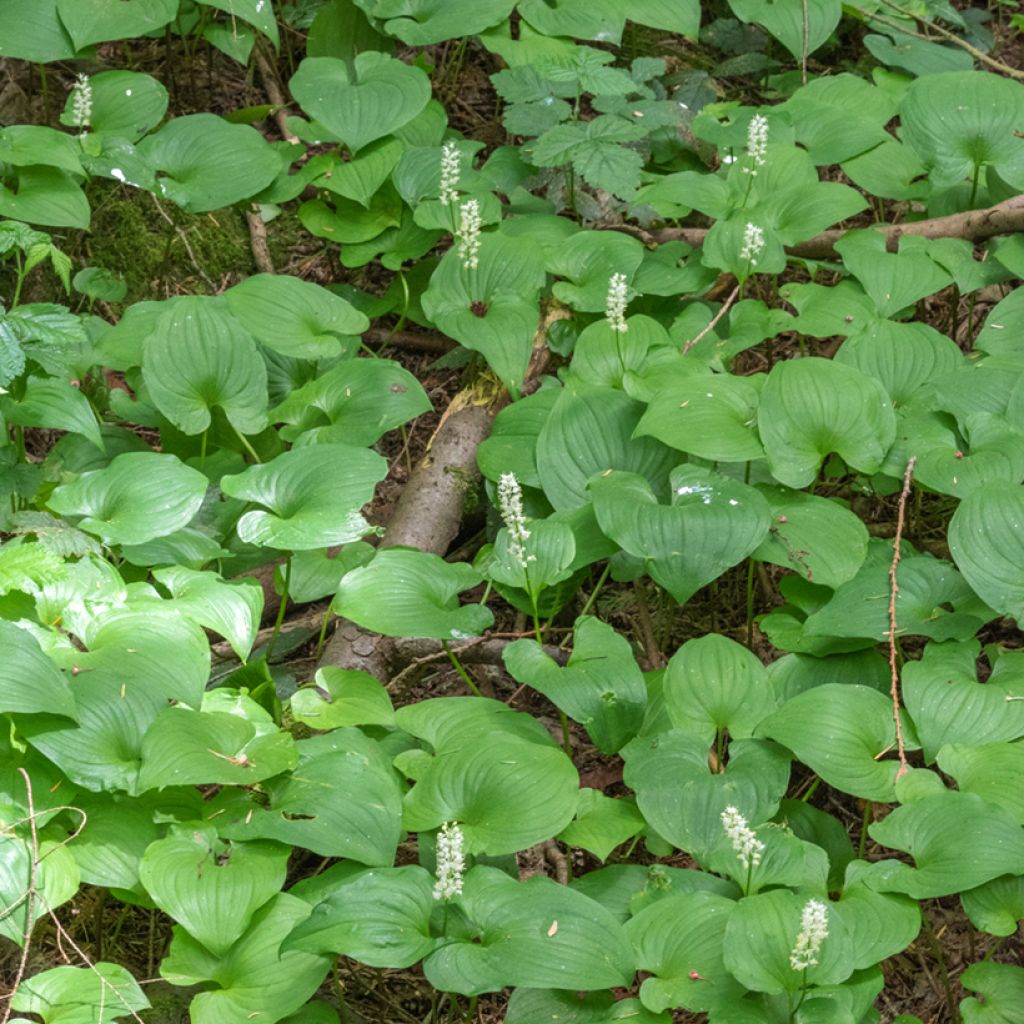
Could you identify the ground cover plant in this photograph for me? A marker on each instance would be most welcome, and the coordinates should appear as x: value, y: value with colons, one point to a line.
x: 511, y: 510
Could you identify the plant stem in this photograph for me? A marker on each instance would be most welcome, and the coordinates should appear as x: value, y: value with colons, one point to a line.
x: 588, y: 604
x: 458, y: 668
x: 281, y: 608
x: 951, y: 1005
x: 323, y: 632
x: 865, y: 820
x: 245, y: 444
x: 750, y: 600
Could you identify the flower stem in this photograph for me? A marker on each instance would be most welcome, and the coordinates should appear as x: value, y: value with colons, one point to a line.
x: 458, y: 668
x: 281, y: 608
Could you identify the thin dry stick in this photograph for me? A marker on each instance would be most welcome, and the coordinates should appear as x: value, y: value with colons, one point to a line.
x: 184, y: 241
x: 30, y: 908
x: 714, y: 320
x: 894, y: 589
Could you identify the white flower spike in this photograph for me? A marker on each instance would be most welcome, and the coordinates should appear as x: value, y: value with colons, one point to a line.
x: 813, y: 932
x: 743, y: 838
x: 757, y: 142
x: 469, y: 234
x: 615, y: 304
x: 753, y: 244
x: 81, y: 102
x: 510, y: 505
x: 451, y: 861
x: 451, y: 171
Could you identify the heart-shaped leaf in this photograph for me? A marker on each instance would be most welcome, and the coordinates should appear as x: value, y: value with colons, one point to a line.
x: 712, y: 523
x: 957, y: 841
x: 294, y: 317
x: 840, y: 731
x: 364, y: 102
x: 535, y: 933
x: 492, y: 307
x: 254, y: 976
x: 124, y: 103
x: 712, y: 684
x: 30, y: 681
x: 601, y: 687
x: 507, y: 794
x: 210, y: 888
x: 137, y: 497
x: 99, y: 993
x: 209, y: 163
x: 1000, y: 989
x: 378, y: 916
x: 590, y: 430
x: 198, y: 358
x: 100, y: 21
x: 989, y: 769
x: 987, y: 545
x: 996, y: 906
x: 602, y: 823
x: 801, y: 27
x: 412, y: 593
x: 339, y: 697
x: 813, y: 407
x: 56, y: 880
x: 314, y: 495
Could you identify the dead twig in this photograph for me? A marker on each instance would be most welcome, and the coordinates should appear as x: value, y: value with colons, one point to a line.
x: 714, y: 320
x: 894, y: 589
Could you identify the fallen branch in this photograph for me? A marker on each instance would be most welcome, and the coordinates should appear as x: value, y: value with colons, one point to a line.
x: 894, y: 589
x: 714, y: 320
x: 1004, y: 218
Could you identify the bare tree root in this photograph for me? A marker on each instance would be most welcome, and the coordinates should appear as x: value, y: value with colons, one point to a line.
x: 1004, y: 218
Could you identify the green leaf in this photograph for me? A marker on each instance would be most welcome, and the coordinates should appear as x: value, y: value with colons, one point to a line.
x: 683, y: 800
x: 963, y: 120
x: 100, y: 21
x: 542, y: 560
x: 294, y: 317
x: 357, y: 402
x: 412, y: 593
x: 712, y: 684
x: 375, y: 96
x: 590, y: 430
x: 597, y: 19
x: 425, y: 22
x: 880, y: 925
x: 199, y: 358
x: 792, y: 22
x: 137, y: 497
x: 1001, y: 994
x: 957, y: 841
x: 380, y: 917
x: 812, y: 407
x: 535, y: 933
x: 987, y: 545
x: 512, y: 443
x: 602, y: 823
x: 601, y: 687
x: 949, y: 705
x: 713, y: 417
x: 212, y: 747
x: 988, y: 769
x: 507, y: 794
x: 314, y: 495
x: 556, y: 1006
x: 902, y: 357
x: 95, y: 994
x: 996, y: 906
x: 32, y: 30
x: 817, y: 537
x: 492, y: 308
x: 57, y: 881
x: 127, y: 104
x: 892, y: 280
x: 840, y: 731
x: 685, y: 965
x: 763, y: 930
x: 208, y: 163
x: 340, y: 697
x: 258, y: 13
x: 254, y: 977
x: 30, y: 681
x: 711, y: 524
x: 212, y: 889
x: 47, y: 196
x: 587, y: 260
x: 232, y: 609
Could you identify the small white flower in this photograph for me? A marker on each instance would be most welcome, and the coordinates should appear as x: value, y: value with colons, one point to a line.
x: 451, y: 861
x: 743, y: 838
x: 510, y: 505
x: 615, y: 304
x: 757, y: 142
x: 469, y: 234
x: 813, y: 932
x: 451, y: 171
x: 753, y: 244
x: 81, y: 102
